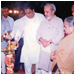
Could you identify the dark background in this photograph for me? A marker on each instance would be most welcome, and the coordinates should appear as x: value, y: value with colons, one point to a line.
x: 63, y: 8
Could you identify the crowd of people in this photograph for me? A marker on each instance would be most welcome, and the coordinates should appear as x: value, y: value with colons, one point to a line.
x: 42, y: 40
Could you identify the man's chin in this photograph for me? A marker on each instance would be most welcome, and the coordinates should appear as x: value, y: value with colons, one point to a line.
x: 48, y: 18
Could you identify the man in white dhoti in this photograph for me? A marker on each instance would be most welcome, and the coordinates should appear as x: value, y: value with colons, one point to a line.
x: 28, y: 26
x: 50, y: 32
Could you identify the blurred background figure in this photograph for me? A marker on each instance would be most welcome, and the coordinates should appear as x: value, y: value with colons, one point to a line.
x: 21, y: 13
x: 8, y: 18
x: 4, y: 27
x: 72, y: 9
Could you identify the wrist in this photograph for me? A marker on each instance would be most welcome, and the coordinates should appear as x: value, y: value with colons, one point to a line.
x: 41, y: 39
x: 51, y: 41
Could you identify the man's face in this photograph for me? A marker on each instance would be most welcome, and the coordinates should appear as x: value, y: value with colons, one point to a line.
x: 29, y: 13
x: 68, y: 29
x: 48, y: 11
x: 21, y: 14
x: 5, y: 12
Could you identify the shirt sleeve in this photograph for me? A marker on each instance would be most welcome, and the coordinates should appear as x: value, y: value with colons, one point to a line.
x: 19, y: 30
x: 39, y: 33
x: 57, y: 39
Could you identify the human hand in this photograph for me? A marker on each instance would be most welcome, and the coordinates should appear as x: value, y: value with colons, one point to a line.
x: 14, y: 43
x: 51, y: 41
x: 44, y: 42
x: 53, y: 55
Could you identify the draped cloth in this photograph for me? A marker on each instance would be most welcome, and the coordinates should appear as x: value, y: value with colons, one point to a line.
x: 65, y: 55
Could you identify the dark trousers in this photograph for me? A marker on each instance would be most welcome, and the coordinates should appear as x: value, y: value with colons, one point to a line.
x: 17, y: 56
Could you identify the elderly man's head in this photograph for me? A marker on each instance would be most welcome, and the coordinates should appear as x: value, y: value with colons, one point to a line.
x: 49, y: 10
x: 69, y: 25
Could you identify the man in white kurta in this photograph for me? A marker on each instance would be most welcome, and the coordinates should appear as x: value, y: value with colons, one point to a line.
x: 49, y: 34
x: 28, y: 26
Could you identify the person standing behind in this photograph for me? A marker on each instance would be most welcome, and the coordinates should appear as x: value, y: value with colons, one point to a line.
x: 4, y: 27
x: 8, y: 18
x: 49, y: 34
x: 64, y: 56
x: 72, y: 9
x: 29, y: 25
x: 19, y: 49
x: 21, y: 13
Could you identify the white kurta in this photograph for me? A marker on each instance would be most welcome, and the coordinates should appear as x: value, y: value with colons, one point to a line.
x: 31, y: 48
x: 48, y: 30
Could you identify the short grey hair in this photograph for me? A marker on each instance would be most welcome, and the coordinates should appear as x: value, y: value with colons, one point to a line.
x: 70, y: 20
x: 53, y: 7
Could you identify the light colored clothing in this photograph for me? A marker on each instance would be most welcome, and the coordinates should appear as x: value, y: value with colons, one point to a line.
x: 28, y: 67
x: 11, y: 21
x: 4, y: 27
x: 49, y: 30
x: 19, y: 49
x: 45, y: 72
x: 16, y: 27
x: 3, y: 69
x: 65, y: 55
x: 30, y: 50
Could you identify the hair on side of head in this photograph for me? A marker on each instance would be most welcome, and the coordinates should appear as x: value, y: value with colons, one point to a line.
x: 70, y: 20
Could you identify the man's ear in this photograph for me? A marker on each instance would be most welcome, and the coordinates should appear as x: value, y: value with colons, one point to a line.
x: 53, y: 12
